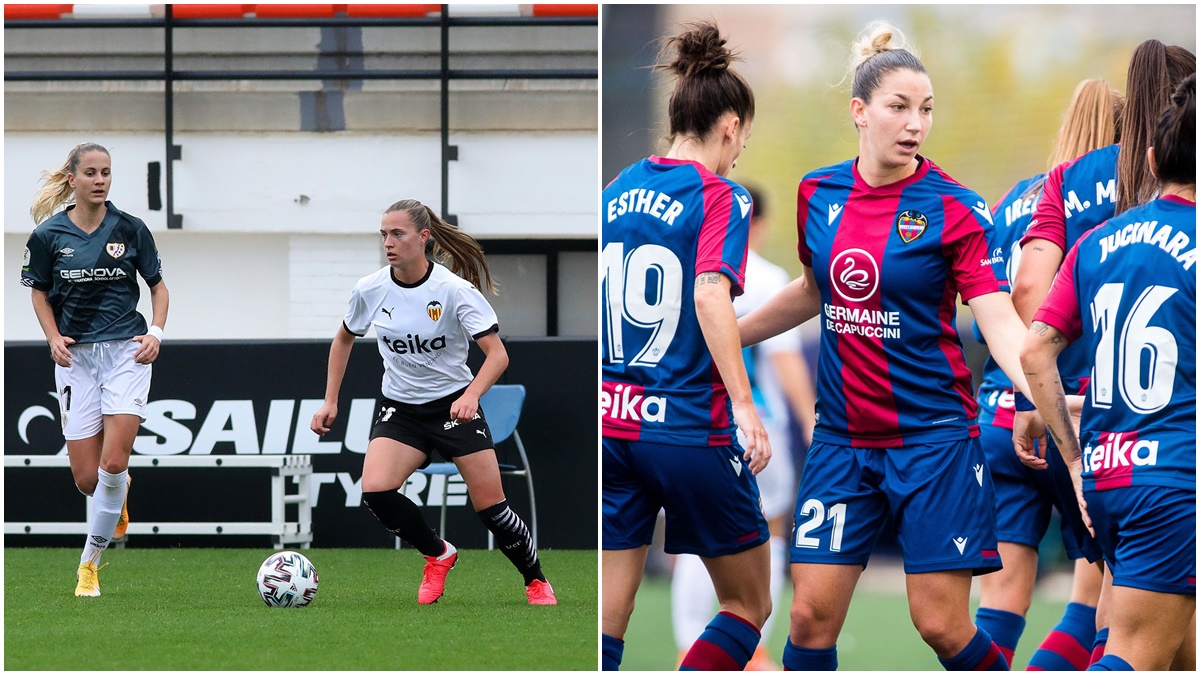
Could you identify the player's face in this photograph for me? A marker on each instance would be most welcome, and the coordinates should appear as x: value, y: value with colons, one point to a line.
x: 403, y: 241
x: 739, y: 134
x: 894, y: 124
x: 92, y: 178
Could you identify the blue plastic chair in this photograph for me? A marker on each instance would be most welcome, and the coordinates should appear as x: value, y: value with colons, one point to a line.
x: 502, y: 406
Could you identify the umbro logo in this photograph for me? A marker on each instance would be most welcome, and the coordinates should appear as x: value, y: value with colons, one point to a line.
x: 737, y: 466
x: 960, y: 543
x: 67, y: 252
x: 98, y: 540
x: 744, y: 203
x: 387, y: 311
x: 835, y: 210
x: 979, y: 474
x: 982, y: 209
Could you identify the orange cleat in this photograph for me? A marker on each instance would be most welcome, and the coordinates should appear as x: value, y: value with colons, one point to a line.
x: 123, y: 521
x: 433, y: 583
x: 540, y: 593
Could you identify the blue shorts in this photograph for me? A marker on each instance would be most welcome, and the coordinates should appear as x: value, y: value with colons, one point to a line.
x: 711, y: 500
x: 1148, y: 534
x: 1024, y: 497
x: 939, y: 496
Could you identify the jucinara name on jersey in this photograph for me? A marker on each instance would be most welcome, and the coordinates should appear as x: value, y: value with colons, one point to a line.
x: 1150, y: 233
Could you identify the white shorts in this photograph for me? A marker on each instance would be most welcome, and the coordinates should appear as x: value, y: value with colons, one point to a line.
x: 777, y: 482
x: 102, y: 380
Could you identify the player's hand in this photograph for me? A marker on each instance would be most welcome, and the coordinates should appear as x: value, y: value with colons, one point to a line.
x: 465, y: 408
x: 1076, y: 468
x: 1029, y: 439
x: 323, y: 418
x: 59, y: 352
x: 148, y: 351
x: 758, y: 447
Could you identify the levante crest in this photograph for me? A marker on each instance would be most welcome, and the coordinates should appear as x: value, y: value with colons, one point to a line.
x: 910, y: 225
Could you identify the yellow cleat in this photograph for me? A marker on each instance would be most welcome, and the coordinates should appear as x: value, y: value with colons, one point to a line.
x: 123, y: 521
x: 88, y: 585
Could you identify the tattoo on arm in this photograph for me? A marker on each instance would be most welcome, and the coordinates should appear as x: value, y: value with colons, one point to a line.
x: 1039, y: 327
x: 1039, y: 248
x: 708, y: 278
x: 1057, y: 340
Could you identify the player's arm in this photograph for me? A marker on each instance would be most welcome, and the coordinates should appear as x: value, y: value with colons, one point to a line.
x: 798, y: 302
x: 495, y: 361
x: 796, y: 382
x: 1039, y: 358
x: 1003, y: 331
x: 718, y: 324
x: 160, y: 299
x: 45, y: 316
x: 339, y: 357
x: 1040, y: 259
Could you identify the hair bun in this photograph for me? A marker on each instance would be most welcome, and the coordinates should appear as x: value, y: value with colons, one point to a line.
x: 877, y: 37
x: 1185, y: 91
x: 699, y: 48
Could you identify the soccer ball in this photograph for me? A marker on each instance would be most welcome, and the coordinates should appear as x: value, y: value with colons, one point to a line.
x: 287, y: 579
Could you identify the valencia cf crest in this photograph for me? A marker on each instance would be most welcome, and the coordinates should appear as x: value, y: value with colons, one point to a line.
x: 434, y: 310
x: 910, y: 225
x: 116, y: 250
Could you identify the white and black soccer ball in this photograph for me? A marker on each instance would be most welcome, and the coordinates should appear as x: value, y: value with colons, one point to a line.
x: 287, y: 579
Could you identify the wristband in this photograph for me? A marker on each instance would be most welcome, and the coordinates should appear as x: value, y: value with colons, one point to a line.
x: 1021, y: 403
x: 156, y: 332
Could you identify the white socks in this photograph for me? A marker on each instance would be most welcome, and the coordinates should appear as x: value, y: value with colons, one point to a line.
x: 105, y: 512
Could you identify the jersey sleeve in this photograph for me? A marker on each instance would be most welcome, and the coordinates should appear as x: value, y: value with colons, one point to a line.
x: 1049, y: 217
x: 149, y: 264
x: 976, y: 265
x: 474, y: 313
x: 358, y: 316
x: 37, y: 267
x: 1060, y: 309
x: 803, y: 194
x: 724, y: 233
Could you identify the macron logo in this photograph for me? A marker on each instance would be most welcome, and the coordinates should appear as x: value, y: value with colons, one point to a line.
x: 737, y: 466
x: 979, y: 474
x: 982, y: 209
x: 835, y: 210
x: 744, y: 202
x: 960, y: 543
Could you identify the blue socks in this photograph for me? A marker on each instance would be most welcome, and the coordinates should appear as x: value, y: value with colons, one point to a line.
x: 800, y: 658
x: 727, y: 643
x: 1111, y: 662
x: 1004, y: 627
x: 979, y: 654
x: 1068, y: 646
x: 611, y: 650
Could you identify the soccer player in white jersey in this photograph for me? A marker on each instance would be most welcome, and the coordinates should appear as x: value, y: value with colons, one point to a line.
x: 424, y: 315
x: 81, y: 265
x: 782, y: 385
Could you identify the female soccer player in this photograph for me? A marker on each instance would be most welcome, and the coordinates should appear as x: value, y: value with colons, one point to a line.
x: 1127, y: 292
x: 80, y: 264
x: 1024, y: 497
x: 888, y: 242
x: 675, y: 390
x: 780, y: 380
x: 1079, y: 195
x: 424, y: 315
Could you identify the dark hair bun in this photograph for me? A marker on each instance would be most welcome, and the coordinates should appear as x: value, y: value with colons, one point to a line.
x: 699, y: 49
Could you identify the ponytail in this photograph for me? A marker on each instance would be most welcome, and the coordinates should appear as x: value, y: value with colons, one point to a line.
x: 56, y: 189
x: 1175, y: 137
x: 706, y: 86
x: 449, y: 245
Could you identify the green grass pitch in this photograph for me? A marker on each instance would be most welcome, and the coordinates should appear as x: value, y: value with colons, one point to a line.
x: 198, y: 609
x: 878, y: 634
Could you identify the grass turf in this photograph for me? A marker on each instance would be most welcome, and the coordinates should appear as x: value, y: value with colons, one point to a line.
x: 198, y: 609
x: 878, y: 634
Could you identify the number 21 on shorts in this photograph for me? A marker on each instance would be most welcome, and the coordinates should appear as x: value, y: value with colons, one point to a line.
x: 816, y: 514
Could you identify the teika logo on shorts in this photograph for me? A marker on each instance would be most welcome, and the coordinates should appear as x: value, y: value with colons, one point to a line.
x: 1111, y: 461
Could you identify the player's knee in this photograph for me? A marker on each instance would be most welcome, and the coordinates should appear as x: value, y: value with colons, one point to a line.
x: 940, y: 633
x: 812, y: 625
x: 86, y: 486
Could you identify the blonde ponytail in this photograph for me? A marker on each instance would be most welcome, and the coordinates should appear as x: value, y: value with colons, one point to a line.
x: 56, y: 190
x: 449, y: 245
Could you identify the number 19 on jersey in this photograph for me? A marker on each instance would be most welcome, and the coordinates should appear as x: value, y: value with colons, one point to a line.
x: 643, y: 287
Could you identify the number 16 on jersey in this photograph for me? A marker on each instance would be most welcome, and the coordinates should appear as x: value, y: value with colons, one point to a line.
x: 643, y: 288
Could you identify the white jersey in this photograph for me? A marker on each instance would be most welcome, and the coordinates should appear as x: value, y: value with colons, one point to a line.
x: 764, y: 279
x: 423, y: 329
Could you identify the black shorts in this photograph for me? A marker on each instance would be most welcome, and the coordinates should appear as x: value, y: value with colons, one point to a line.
x: 428, y: 427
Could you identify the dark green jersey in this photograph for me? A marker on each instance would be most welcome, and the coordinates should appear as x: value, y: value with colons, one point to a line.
x: 90, y: 278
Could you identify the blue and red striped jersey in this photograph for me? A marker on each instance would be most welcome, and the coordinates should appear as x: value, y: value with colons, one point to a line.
x: 665, y: 222
x: 1010, y: 216
x: 1078, y: 196
x: 890, y: 263
x: 1126, y: 293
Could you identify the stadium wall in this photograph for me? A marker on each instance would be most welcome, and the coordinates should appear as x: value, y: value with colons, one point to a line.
x: 258, y: 397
